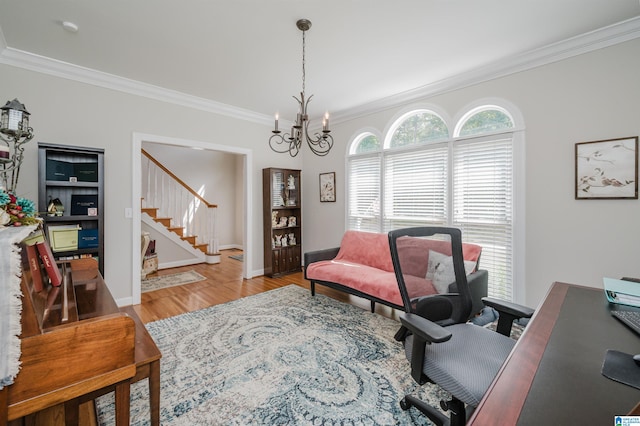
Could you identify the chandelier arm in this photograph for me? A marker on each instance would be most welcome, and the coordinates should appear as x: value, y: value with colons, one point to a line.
x: 321, y: 144
x: 285, y: 142
x: 279, y: 143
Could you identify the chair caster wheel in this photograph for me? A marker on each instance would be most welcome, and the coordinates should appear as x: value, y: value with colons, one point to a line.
x: 404, y: 404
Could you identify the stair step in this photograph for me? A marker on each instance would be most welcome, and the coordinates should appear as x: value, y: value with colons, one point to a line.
x: 178, y: 230
x: 191, y: 240
x: 151, y: 211
x: 166, y: 221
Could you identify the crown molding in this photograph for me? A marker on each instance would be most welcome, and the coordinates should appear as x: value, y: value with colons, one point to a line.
x: 588, y: 42
x: 594, y: 40
x: 41, y: 64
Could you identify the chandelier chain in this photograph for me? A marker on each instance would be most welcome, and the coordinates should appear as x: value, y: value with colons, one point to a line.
x: 304, y: 74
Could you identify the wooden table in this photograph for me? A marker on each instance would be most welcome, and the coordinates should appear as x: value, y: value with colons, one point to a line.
x: 553, y: 375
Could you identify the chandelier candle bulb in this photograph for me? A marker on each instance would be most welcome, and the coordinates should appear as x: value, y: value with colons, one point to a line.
x: 275, y: 130
x: 325, y: 122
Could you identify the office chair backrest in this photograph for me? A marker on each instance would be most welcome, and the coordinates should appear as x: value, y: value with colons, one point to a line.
x: 427, y: 260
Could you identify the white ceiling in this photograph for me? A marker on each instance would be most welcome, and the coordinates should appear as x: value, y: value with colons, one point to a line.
x: 247, y: 53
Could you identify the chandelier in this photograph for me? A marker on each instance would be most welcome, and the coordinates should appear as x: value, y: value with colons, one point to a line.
x: 320, y: 143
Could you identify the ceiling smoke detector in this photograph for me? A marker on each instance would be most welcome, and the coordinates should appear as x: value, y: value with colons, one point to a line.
x: 70, y: 26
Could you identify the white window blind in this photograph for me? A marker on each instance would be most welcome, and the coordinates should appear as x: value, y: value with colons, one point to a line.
x: 415, y: 187
x: 364, y: 193
x: 483, y: 205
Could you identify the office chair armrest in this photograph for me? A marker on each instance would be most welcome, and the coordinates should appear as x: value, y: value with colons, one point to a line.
x: 425, y: 329
x: 508, y: 312
x: 510, y: 308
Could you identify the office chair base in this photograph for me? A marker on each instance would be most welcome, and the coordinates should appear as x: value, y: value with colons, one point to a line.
x: 455, y: 407
x: 432, y: 413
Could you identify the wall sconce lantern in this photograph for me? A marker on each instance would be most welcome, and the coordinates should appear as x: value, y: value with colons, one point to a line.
x: 14, y: 133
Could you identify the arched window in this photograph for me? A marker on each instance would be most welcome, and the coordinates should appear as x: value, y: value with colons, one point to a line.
x: 484, y: 119
x: 418, y: 127
x: 424, y: 177
x: 367, y: 142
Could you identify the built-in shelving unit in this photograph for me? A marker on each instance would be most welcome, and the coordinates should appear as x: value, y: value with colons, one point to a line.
x: 74, y: 176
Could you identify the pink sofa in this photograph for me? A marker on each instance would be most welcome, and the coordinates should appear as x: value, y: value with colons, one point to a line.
x: 362, y: 266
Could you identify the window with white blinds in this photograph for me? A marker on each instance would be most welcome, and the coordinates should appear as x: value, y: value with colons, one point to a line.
x: 463, y: 182
x: 483, y: 205
x: 364, y: 193
x: 415, y: 188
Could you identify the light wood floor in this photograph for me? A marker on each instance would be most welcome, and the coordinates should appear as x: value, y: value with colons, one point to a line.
x: 225, y: 283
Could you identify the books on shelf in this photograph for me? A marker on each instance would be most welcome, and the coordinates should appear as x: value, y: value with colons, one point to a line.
x: 72, y: 237
x: 82, y: 205
x: 88, y: 238
x: 66, y: 171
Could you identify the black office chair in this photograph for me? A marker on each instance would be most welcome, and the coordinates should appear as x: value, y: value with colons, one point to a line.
x: 442, y: 347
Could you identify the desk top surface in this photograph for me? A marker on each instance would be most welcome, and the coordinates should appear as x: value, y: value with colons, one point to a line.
x: 553, y: 375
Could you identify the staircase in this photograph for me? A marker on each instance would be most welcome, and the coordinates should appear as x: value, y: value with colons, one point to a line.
x: 176, y: 211
x: 178, y: 230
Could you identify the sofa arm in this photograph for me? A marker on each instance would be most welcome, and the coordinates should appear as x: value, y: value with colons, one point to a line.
x: 319, y: 255
x: 479, y: 288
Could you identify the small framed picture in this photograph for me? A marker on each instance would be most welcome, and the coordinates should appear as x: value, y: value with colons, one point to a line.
x: 607, y: 169
x: 92, y: 211
x: 73, y: 179
x: 327, y: 187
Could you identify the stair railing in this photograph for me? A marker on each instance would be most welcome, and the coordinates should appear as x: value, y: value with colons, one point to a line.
x: 175, y: 199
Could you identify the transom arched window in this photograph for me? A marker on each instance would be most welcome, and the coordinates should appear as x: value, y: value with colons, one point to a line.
x: 364, y: 143
x: 418, y: 127
x: 484, y: 119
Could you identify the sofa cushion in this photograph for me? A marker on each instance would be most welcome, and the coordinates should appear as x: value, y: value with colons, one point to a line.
x: 440, y: 270
x: 414, y: 253
x: 366, y: 248
x: 372, y: 281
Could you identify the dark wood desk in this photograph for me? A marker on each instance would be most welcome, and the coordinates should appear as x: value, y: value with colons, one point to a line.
x: 553, y: 375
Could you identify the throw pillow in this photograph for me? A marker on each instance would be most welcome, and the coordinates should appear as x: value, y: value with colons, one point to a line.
x: 440, y: 270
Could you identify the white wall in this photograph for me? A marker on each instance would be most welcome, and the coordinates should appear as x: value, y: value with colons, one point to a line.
x: 590, y: 97
x: 73, y: 113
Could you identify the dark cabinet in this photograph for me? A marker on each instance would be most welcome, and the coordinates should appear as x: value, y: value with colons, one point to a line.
x: 282, y: 209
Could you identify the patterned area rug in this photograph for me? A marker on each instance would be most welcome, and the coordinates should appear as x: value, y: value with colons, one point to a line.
x: 280, y: 357
x: 171, y: 280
